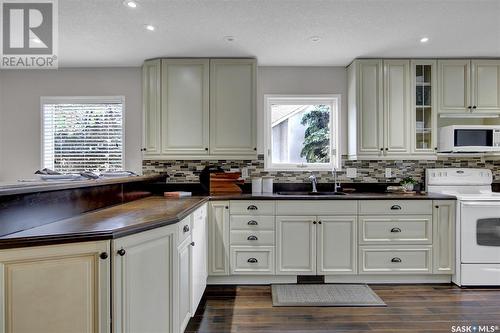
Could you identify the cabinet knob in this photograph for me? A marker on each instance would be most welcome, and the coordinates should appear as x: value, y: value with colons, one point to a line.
x: 252, y: 207
x: 396, y: 259
x: 103, y: 255
x: 381, y: 149
x: 253, y: 222
x: 186, y: 228
x: 395, y: 230
x: 121, y: 252
x: 314, y: 222
x: 143, y: 149
x: 252, y: 238
x: 474, y: 107
x: 252, y: 260
x: 386, y: 149
x: 395, y: 207
x: 227, y: 207
x: 469, y: 107
x: 436, y: 206
x: 206, y: 149
x: 192, y: 243
x: 319, y: 222
x: 255, y: 149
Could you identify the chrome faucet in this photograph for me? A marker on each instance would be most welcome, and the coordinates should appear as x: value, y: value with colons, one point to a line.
x: 336, y: 185
x: 313, y: 180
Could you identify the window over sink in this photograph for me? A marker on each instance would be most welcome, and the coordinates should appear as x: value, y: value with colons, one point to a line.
x: 82, y: 133
x: 301, y: 132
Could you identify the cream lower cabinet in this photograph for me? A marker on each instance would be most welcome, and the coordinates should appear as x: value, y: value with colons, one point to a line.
x: 444, y: 236
x: 218, y: 238
x: 316, y: 245
x: 183, y: 290
x: 55, y: 289
x: 199, y: 257
x: 143, y: 280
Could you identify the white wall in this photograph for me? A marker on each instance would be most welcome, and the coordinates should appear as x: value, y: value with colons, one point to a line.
x: 301, y: 80
x: 20, y: 94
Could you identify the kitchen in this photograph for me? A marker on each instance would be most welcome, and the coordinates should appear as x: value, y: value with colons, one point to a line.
x: 335, y: 180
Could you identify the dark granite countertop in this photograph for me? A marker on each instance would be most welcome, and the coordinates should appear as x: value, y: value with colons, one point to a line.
x: 107, y: 223
x: 348, y: 196
x: 153, y: 212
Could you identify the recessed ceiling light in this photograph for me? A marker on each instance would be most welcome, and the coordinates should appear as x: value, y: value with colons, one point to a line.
x: 130, y: 3
x: 150, y: 27
x: 315, y: 39
x: 229, y: 38
x: 424, y: 40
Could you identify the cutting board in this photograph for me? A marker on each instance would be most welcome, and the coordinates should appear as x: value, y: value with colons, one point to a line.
x: 225, y: 182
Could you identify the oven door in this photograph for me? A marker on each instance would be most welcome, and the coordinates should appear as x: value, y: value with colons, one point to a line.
x: 480, y: 232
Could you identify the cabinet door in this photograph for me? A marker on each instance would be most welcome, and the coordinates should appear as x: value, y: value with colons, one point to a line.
x: 218, y: 238
x: 486, y: 85
x: 454, y: 86
x: 182, y: 290
x: 444, y: 237
x: 396, y: 107
x: 337, y: 245
x: 151, y: 99
x: 423, y: 107
x: 370, y: 107
x: 296, y: 245
x: 185, y: 106
x: 55, y: 289
x: 142, y: 271
x: 199, y: 260
x: 232, y: 107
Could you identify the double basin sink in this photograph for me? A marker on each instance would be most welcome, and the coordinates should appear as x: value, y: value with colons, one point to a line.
x: 309, y: 193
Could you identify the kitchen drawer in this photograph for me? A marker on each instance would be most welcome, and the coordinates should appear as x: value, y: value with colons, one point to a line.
x: 252, y: 237
x: 316, y: 207
x: 184, y: 228
x: 246, y: 222
x: 410, y: 229
x: 395, y: 259
x: 252, y: 260
x: 395, y: 207
x: 252, y: 207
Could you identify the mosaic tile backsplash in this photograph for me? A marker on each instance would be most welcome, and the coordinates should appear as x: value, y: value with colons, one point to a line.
x: 367, y: 171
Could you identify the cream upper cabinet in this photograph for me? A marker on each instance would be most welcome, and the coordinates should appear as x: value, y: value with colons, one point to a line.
x: 295, y: 245
x: 151, y: 91
x: 218, y: 238
x: 423, y: 107
x: 485, y: 76
x: 337, y: 245
x: 396, y: 107
x: 185, y: 106
x: 142, y: 279
x: 454, y: 86
x: 55, y: 289
x: 365, y: 81
x: 444, y: 236
x: 232, y: 107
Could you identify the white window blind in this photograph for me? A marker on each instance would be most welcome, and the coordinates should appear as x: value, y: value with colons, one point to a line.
x: 82, y: 134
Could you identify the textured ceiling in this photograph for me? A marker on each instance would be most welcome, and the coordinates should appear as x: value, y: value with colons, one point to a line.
x: 277, y: 32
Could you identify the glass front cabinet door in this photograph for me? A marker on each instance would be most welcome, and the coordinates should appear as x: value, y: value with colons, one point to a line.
x: 423, y: 114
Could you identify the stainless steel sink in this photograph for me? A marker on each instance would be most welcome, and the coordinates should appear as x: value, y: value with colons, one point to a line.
x: 309, y: 193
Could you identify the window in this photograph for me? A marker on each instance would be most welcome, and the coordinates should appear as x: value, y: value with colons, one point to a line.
x: 82, y: 133
x: 301, y: 132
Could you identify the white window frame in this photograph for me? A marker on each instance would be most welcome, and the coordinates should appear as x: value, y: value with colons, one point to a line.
x: 81, y: 100
x: 334, y: 100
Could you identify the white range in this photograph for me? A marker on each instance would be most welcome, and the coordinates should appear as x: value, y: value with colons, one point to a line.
x: 478, y: 223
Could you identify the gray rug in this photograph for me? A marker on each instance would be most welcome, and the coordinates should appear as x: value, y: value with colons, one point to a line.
x: 325, y: 295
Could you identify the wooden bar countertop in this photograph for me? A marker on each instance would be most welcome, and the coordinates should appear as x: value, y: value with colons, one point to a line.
x: 108, y: 223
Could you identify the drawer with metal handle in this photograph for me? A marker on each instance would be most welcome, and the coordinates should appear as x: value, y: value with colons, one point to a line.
x: 184, y: 228
x: 252, y: 238
x: 252, y: 207
x: 248, y: 260
x: 395, y: 207
x: 406, y: 229
x: 247, y: 222
x: 395, y: 259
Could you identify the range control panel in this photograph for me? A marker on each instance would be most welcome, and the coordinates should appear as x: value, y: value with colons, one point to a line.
x: 459, y: 176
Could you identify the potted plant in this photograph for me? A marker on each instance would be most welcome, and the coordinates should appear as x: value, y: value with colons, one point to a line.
x: 408, y: 183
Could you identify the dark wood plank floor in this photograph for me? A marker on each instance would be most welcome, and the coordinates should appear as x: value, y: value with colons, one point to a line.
x: 410, y: 308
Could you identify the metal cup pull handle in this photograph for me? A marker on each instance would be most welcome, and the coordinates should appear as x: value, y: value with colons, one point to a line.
x: 252, y: 238
x: 396, y: 207
x: 395, y: 230
x: 252, y: 260
x: 253, y: 222
x: 252, y: 207
x: 396, y: 259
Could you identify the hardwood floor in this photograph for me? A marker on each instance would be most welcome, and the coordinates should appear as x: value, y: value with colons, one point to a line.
x: 410, y: 308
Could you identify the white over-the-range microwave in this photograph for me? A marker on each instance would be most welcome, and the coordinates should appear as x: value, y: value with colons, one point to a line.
x: 469, y: 139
